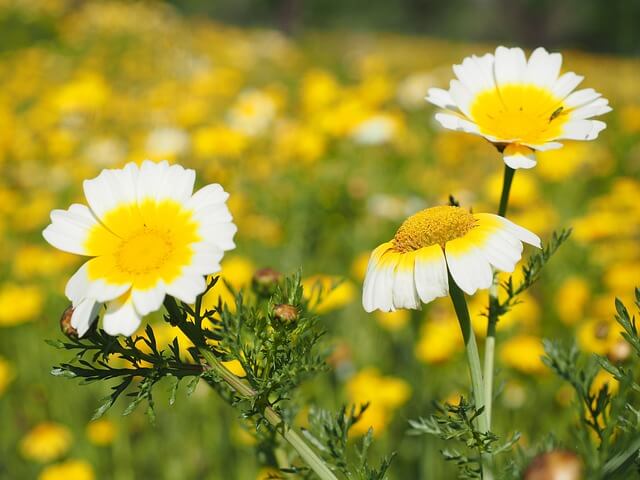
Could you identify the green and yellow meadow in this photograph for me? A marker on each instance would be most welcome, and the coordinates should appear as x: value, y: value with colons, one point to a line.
x: 325, y: 144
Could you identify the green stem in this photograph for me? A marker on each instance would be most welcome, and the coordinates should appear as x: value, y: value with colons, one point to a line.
x: 506, y: 188
x: 473, y: 358
x: 490, y: 341
x: 297, y: 442
x: 619, y: 461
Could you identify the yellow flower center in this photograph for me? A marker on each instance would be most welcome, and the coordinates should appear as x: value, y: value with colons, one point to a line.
x: 526, y: 113
x: 143, y: 243
x: 433, y: 226
x: 145, y: 251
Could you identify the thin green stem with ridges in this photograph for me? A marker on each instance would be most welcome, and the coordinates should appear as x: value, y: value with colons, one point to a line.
x: 490, y: 340
x: 473, y: 358
x: 313, y: 461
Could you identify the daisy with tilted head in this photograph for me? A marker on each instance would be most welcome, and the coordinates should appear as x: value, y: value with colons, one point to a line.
x: 149, y: 236
x: 521, y: 105
x: 436, y: 246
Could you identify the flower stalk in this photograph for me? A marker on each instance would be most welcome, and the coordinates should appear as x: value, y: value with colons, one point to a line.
x: 490, y: 340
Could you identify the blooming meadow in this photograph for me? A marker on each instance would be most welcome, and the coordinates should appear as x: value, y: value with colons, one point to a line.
x: 270, y: 257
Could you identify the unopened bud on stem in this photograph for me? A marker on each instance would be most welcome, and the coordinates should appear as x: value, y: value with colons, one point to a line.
x: 65, y: 323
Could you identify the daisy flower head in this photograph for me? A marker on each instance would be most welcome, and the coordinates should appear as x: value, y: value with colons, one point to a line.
x: 521, y: 105
x: 148, y: 235
x: 434, y: 244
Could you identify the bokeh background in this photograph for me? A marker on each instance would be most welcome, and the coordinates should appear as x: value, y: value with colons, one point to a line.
x: 312, y: 115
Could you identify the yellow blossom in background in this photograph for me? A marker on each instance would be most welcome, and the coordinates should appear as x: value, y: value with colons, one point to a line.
x: 523, y: 353
x: 19, y: 304
x: 326, y: 293
x: 319, y: 89
x: 597, y: 335
x: 622, y: 278
x: 101, y: 432
x: 359, y: 265
x: 384, y: 395
x: 253, y: 112
x: 69, y: 470
x: 563, y: 163
x: 630, y: 118
x: 393, y: 321
x: 440, y: 339
x: 85, y: 94
x: 571, y: 299
x: 523, y: 315
x: 6, y: 375
x: 219, y: 140
x: 35, y: 260
x: 46, y: 442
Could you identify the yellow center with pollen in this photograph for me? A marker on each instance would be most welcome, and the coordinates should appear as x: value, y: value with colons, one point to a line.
x: 433, y: 226
x: 526, y: 113
x: 142, y: 243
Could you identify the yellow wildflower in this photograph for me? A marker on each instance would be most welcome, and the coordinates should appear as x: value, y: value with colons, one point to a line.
x: 571, y: 300
x: 45, y: 442
x: 523, y: 353
x: 598, y: 336
x: 19, y: 304
x: 69, y: 470
x: 326, y: 293
x: 101, y: 432
x: 393, y: 321
x: 6, y: 375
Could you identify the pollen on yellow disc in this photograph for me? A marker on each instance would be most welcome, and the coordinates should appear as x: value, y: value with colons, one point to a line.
x: 527, y: 113
x: 433, y: 226
x: 143, y: 243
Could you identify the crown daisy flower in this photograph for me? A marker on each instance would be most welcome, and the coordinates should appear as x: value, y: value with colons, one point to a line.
x: 437, y: 242
x: 149, y: 236
x: 520, y: 105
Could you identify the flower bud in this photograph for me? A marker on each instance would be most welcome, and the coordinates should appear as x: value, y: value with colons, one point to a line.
x: 619, y: 351
x: 65, y: 323
x: 285, y: 313
x: 555, y: 465
x: 265, y: 281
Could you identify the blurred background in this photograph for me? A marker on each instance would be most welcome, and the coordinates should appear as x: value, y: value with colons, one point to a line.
x: 312, y: 115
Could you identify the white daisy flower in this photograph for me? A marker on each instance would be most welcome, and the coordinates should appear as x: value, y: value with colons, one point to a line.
x: 149, y: 236
x: 520, y: 105
x: 415, y: 265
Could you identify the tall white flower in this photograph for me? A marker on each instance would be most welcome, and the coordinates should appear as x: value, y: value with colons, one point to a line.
x: 435, y: 243
x: 518, y: 104
x: 149, y: 236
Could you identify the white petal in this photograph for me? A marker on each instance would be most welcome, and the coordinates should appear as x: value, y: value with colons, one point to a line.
x: 84, y: 314
x: 476, y: 73
x: 499, y: 246
x: 69, y: 229
x: 566, y: 84
x: 518, y: 156
x: 521, y: 233
x: 462, y: 96
x: 206, y: 258
x: 219, y: 235
x: 543, y: 147
x: 509, y: 66
x: 404, y: 287
x: 368, y: 291
x: 468, y: 266
x: 148, y: 300
x: 581, y: 97
x: 78, y: 285
x: 582, y: 129
x: 378, y: 285
x: 160, y: 181
x: 439, y: 97
x: 110, y: 189
x: 431, y: 273
x: 121, y: 318
x: 543, y: 68
x: 456, y: 122
x: 187, y: 287
x: 595, y: 108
